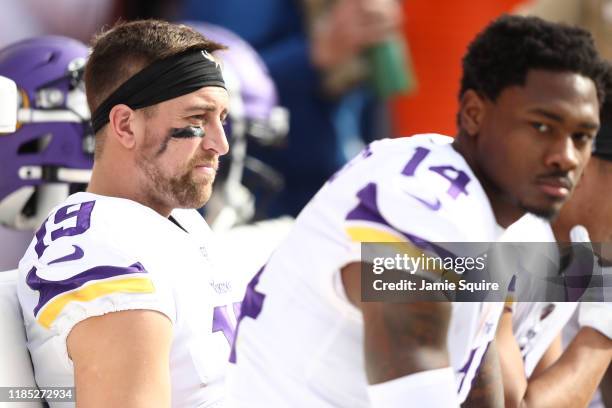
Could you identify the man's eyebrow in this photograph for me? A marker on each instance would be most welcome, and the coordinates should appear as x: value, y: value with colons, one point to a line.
x: 557, y: 118
x: 548, y: 114
x: 200, y: 108
x: 203, y: 108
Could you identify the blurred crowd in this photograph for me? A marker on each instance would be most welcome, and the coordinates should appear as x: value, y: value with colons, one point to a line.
x: 348, y: 71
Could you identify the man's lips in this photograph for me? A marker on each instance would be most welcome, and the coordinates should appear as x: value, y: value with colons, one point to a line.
x: 206, y: 167
x: 555, y: 186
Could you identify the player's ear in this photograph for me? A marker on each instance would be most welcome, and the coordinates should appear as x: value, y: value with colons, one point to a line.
x: 471, y: 112
x: 121, y: 120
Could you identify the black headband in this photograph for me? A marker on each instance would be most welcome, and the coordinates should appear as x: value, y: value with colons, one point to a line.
x: 162, y: 80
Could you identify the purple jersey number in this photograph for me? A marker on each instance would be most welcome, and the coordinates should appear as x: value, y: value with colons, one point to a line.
x: 82, y: 216
x: 458, y: 179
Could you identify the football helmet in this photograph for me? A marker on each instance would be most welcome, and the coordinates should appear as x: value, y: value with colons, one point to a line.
x: 51, y: 151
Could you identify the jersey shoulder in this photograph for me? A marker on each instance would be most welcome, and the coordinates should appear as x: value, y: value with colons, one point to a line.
x: 90, y: 257
x: 421, y: 187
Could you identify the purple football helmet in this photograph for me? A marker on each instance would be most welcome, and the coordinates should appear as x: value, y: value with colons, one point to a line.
x: 51, y: 151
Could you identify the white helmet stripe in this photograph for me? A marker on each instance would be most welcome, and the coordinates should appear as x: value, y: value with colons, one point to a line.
x: 8, y: 107
x: 36, y: 115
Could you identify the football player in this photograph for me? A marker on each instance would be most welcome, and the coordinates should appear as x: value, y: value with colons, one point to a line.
x: 119, y: 293
x: 536, y: 371
x: 590, y: 207
x: 529, y: 110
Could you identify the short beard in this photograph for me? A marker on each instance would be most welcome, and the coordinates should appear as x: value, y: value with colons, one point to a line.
x: 176, y: 192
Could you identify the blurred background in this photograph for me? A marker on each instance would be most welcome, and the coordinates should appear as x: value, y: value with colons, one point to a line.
x: 347, y: 71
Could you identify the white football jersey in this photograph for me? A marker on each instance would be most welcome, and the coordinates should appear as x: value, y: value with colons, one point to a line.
x: 98, y: 254
x: 300, y: 341
x: 536, y: 324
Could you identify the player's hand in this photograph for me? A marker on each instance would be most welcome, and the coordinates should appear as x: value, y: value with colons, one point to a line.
x: 352, y: 26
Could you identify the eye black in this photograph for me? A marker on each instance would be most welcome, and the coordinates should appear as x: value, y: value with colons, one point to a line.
x: 187, y: 132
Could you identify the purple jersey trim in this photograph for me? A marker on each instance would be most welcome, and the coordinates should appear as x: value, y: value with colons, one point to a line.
x: 251, y: 307
x: 50, y: 289
x: 367, y: 210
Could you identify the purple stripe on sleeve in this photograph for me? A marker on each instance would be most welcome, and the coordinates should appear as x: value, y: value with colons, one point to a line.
x: 49, y: 289
x: 367, y: 210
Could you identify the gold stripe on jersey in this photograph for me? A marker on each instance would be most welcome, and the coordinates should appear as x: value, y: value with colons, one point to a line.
x: 400, y: 245
x: 371, y: 234
x: 92, y: 292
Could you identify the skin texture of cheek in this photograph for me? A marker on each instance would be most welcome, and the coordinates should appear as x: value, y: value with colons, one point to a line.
x: 163, y: 146
x: 511, y: 163
x: 499, y: 164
